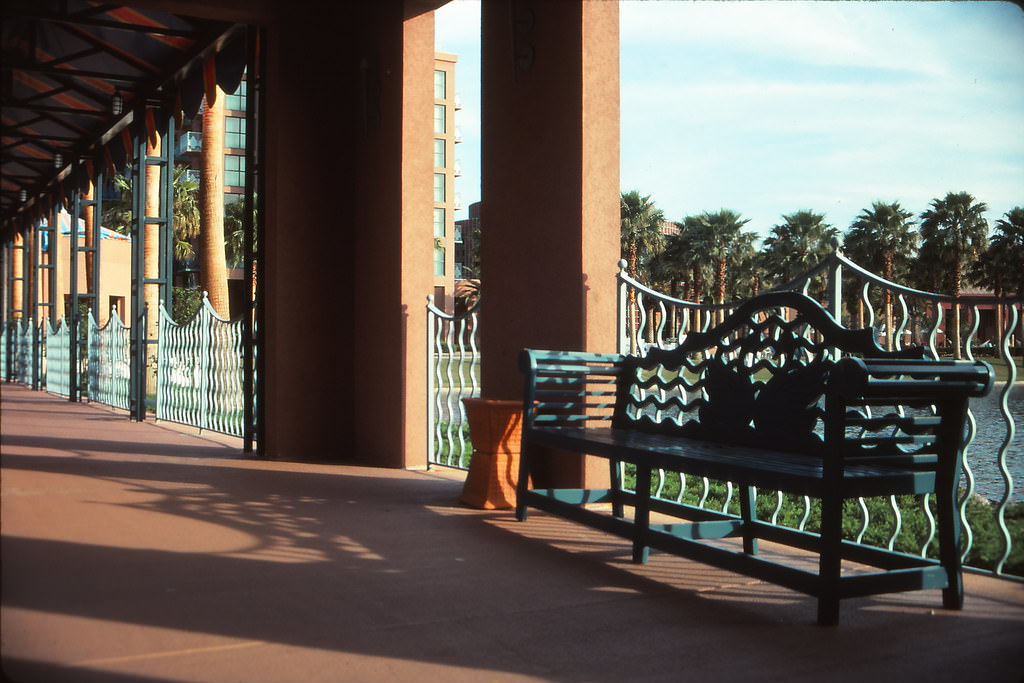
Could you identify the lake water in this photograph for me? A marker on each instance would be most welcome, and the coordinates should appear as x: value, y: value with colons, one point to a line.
x: 991, y: 425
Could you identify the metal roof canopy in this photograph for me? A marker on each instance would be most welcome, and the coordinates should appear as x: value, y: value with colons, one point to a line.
x: 63, y: 63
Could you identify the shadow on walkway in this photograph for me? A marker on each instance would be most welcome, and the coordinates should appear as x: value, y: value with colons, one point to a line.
x: 176, y: 559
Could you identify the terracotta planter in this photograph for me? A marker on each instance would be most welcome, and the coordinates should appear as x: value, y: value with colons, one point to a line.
x: 495, y: 428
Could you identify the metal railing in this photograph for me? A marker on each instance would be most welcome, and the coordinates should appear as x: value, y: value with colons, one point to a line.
x: 199, y: 371
x: 21, y: 360
x: 453, y: 373
x: 900, y: 315
x: 108, y: 354
x: 57, y: 359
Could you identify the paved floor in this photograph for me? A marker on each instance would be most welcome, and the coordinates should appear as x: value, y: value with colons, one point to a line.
x: 132, y: 552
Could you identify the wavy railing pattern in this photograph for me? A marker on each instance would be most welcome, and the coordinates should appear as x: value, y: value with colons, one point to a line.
x: 199, y: 371
x: 5, y: 335
x: 453, y: 373
x: 20, y: 344
x: 900, y: 315
x: 56, y: 365
x: 108, y: 353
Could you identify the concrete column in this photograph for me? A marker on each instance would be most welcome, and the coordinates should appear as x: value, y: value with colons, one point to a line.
x: 349, y: 240
x: 550, y: 185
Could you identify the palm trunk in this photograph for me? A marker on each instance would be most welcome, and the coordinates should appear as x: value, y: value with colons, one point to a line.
x: 213, y: 262
x: 957, y: 283
x: 30, y: 276
x: 697, y: 293
x: 90, y: 212
x: 888, y: 303
x: 17, y: 275
x: 151, y: 239
x: 151, y: 251
x: 720, y: 286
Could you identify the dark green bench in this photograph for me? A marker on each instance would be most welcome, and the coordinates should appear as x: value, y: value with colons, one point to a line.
x: 778, y: 396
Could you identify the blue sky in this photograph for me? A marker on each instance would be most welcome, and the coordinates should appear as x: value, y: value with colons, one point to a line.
x: 771, y: 107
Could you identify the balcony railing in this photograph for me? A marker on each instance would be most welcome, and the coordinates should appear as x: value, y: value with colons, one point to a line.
x: 190, y: 141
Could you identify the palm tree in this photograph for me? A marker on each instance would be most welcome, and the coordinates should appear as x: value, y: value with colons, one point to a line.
x: 1001, y: 266
x: 117, y: 213
x: 1004, y: 260
x: 883, y: 239
x: 642, y: 238
x: 468, y: 291
x: 234, y: 232
x: 212, y: 258
x: 800, y: 242
x: 746, y: 264
x: 720, y: 239
x: 955, y: 225
x: 641, y: 233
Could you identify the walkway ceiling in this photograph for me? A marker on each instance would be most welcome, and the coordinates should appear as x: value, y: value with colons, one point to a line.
x: 63, y: 64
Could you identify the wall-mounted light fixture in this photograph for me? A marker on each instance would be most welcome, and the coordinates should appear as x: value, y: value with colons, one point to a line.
x: 58, y: 160
x: 117, y: 103
x: 23, y: 196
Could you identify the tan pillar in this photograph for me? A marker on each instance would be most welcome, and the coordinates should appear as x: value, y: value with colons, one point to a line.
x: 550, y: 185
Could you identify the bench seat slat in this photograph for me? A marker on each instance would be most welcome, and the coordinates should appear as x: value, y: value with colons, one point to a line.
x: 789, y: 472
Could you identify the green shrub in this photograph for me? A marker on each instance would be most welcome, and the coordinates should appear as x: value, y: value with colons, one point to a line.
x: 185, y: 303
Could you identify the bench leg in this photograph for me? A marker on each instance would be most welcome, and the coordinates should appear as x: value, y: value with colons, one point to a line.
x: 748, y: 509
x: 830, y: 560
x: 949, y: 548
x: 642, y: 514
x: 615, y: 476
x: 523, y: 485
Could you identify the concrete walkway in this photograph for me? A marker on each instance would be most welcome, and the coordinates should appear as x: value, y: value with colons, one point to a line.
x: 133, y: 552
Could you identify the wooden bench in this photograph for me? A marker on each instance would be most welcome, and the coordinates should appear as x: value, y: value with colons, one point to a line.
x: 778, y: 396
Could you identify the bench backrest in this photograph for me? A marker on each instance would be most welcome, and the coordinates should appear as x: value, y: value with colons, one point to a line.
x: 756, y: 379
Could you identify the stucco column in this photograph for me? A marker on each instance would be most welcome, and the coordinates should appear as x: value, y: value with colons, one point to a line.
x: 550, y: 185
x: 349, y: 237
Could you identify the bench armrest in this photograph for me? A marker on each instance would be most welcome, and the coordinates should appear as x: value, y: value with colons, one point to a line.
x: 929, y: 380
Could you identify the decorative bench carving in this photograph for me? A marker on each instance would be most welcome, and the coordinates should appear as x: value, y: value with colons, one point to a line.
x: 778, y: 396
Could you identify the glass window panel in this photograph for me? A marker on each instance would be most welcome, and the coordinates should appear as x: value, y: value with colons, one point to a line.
x: 439, y: 261
x: 439, y: 123
x: 438, y: 222
x: 439, y: 187
x: 234, y: 132
x: 439, y: 85
x: 439, y: 153
x: 234, y: 170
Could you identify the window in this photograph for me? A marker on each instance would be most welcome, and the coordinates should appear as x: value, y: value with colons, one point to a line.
x: 438, y: 260
x: 234, y: 132
x: 439, y: 119
x: 439, y: 153
x: 236, y: 100
x: 438, y: 222
x: 440, y: 89
x: 234, y: 170
x: 439, y: 187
